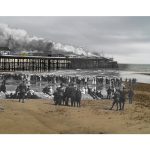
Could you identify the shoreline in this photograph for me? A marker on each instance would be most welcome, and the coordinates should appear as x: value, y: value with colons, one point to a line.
x: 147, y: 74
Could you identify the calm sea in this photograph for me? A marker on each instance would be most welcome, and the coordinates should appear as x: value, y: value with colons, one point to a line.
x: 135, y: 67
x: 139, y: 71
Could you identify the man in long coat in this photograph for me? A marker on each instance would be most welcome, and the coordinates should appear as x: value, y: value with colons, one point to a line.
x: 22, y: 89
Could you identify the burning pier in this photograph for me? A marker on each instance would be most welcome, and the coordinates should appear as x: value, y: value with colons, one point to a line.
x: 41, y: 63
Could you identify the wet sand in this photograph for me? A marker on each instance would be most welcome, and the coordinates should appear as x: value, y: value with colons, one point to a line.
x: 94, y: 116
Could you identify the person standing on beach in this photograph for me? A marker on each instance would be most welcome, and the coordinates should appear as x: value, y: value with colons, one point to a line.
x: 70, y: 93
x: 51, y: 91
x: 3, y: 86
x: 122, y: 99
x: 130, y: 95
x: 109, y: 93
x: 61, y: 91
x: 22, y: 89
x: 115, y: 100
x: 78, y: 96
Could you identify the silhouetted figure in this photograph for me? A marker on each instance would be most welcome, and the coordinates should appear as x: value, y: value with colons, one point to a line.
x: 109, y: 93
x: 56, y: 97
x: 115, y: 100
x: 3, y: 86
x: 78, y: 97
x: 60, y: 91
x: 122, y: 100
x: 22, y: 89
x: 130, y: 96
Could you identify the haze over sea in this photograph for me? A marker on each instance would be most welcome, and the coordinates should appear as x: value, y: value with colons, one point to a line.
x: 139, y: 71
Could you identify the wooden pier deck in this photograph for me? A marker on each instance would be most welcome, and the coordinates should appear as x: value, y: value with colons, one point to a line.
x: 40, y: 63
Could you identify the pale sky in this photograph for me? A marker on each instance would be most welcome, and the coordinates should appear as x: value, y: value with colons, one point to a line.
x: 126, y: 39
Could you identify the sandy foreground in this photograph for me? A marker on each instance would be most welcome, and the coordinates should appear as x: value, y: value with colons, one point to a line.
x: 94, y: 116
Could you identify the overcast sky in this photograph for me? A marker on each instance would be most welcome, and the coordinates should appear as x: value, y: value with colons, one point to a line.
x: 126, y: 39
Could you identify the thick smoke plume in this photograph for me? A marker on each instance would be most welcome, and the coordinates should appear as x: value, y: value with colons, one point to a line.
x: 19, y: 40
x: 72, y: 49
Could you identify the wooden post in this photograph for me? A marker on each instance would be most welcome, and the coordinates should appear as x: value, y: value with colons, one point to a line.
x: 26, y: 64
x: 23, y: 64
x: 0, y: 63
x: 53, y: 64
x: 19, y: 64
x: 49, y: 65
x: 32, y: 64
x: 67, y: 64
x: 38, y: 64
x: 14, y: 64
x: 57, y: 64
x: 44, y: 64
x: 4, y: 64
x: 29, y: 64
x: 9, y: 64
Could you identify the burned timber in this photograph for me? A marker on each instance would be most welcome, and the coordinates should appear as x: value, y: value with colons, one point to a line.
x: 42, y: 63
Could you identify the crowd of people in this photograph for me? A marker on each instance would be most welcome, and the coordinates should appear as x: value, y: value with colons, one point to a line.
x: 63, y: 94
x: 69, y: 89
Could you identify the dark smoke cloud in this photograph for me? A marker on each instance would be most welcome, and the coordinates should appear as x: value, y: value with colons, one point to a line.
x: 20, y: 40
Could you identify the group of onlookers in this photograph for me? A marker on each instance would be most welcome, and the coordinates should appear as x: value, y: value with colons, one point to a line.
x: 71, y: 89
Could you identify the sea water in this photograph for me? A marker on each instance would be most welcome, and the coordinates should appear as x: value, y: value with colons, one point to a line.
x: 139, y: 71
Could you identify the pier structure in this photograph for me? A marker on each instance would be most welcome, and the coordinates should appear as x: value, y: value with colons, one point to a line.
x: 41, y: 63
x: 32, y: 63
x: 92, y: 63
